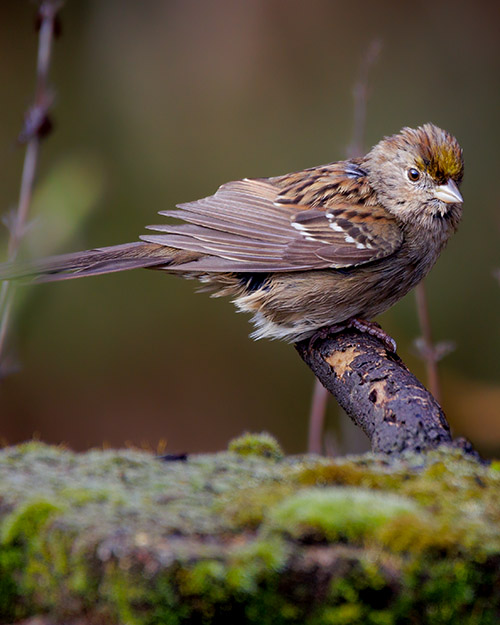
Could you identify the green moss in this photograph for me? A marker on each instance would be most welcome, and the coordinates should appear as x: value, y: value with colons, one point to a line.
x: 332, y: 475
x: 20, y: 533
x: 121, y: 537
x: 345, y: 473
x: 205, y: 578
x: 337, y: 513
x: 263, y: 445
x: 124, y: 594
x: 81, y: 497
x: 249, y: 565
x: 263, y: 554
x: 495, y: 466
x: 345, y: 614
x: 13, y: 605
x: 446, y: 591
x: 24, y: 524
x: 248, y: 506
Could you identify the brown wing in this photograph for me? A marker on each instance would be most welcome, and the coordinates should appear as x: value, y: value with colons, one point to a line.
x: 248, y: 226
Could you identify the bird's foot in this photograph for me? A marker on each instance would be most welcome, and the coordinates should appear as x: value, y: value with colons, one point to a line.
x: 361, y: 325
x: 373, y: 329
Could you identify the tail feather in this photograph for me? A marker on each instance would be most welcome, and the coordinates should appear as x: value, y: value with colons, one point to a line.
x: 89, y: 263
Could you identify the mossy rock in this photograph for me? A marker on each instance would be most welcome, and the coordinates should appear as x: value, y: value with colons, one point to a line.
x: 248, y: 536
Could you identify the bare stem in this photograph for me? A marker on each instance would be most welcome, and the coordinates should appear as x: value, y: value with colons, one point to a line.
x: 355, y: 148
x: 360, y: 93
x: 427, y: 350
x: 36, y: 125
x: 317, y: 418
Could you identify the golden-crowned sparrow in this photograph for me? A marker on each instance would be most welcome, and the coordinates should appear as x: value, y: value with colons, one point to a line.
x: 305, y: 250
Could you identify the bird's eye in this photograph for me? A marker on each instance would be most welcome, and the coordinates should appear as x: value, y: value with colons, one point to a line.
x: 413, y: 174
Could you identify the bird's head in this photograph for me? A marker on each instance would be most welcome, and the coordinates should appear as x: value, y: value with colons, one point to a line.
x: 417, y: 174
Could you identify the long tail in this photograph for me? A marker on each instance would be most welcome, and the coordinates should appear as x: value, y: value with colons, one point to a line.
x: 90, y: 263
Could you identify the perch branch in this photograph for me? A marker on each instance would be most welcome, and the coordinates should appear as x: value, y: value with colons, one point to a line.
x: 379, y: 393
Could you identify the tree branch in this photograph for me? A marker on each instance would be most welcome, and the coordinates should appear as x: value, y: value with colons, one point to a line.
x: 379, y: 393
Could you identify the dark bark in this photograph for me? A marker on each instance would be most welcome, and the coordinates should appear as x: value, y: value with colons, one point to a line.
x: 379, y: 393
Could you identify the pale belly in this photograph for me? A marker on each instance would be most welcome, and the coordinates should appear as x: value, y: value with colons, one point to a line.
x: 297, y: 304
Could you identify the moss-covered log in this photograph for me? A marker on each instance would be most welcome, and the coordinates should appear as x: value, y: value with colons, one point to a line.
x: 248, y: 536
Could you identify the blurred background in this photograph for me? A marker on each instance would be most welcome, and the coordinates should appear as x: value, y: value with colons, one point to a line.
x: 159, y: 102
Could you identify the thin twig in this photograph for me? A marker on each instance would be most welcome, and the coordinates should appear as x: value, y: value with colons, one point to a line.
x: 355, y: 148
x: 317, y: 418
x: 430, y: 352
x: 360, y: 92
x: 426, y: 349
x: 37, y: 125
x: 317, y: 414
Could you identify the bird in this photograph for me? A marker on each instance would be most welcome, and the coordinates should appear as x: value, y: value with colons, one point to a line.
x: 332, y: 246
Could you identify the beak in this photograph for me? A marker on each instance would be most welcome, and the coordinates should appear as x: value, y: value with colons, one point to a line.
x: 448, y: 193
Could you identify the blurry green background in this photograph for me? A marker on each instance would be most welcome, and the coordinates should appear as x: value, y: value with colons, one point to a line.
x: 159, y: 102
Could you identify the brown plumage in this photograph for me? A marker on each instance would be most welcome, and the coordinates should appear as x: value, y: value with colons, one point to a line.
x: 309, y: 249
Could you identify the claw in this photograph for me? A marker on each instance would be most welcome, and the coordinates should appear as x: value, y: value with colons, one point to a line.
x: 362, y: 325
x: 373, y: 329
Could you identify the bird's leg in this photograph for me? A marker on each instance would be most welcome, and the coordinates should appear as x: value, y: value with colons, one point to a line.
x: 362, y: 325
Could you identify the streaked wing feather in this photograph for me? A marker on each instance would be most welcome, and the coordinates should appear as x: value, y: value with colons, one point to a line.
x: 219, y: 264
x: 244, y: 228
x: 210, y: 235
x: 234, y: 226
x: 256, y: 210
x: 224, y: 250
